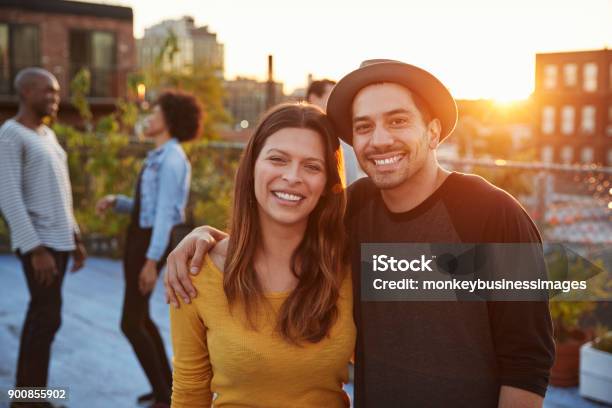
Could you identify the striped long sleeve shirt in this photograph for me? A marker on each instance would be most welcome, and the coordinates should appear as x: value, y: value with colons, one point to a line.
x: 35, y: 192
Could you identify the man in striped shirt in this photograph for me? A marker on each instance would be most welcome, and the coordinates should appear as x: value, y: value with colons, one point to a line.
x: 36, y: 201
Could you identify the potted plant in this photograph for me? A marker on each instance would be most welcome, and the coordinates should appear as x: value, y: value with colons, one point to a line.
x: 596, y: 369
x: 569, y: 337
x: 569, y: 309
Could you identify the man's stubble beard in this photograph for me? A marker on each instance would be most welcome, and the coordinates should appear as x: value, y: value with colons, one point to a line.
x: 411, y: 167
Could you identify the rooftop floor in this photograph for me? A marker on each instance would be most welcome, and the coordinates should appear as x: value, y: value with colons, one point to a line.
x: 90, y: 355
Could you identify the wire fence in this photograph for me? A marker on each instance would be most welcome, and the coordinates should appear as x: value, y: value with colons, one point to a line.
x: 570, y: 204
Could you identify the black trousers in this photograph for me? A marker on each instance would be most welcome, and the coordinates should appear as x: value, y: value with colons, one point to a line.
x: 42, y: 321
x: 136, y: 322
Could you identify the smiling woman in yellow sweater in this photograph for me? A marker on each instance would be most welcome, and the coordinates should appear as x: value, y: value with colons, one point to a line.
x: 273, y: 324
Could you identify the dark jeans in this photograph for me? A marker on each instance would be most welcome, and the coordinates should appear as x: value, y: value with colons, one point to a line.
x: 42, y: 321
x: 136, y: 322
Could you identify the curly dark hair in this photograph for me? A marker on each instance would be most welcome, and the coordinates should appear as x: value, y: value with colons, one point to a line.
x: 182, y: 114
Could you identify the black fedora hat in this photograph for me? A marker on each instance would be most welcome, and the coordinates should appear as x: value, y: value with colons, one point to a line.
x: 439, y: 100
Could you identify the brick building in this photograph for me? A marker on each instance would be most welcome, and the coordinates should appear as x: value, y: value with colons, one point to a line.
x: 573, y: 100
x: 63, y: 37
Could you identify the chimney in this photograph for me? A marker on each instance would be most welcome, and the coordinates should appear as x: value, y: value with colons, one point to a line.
x: 270, y: 94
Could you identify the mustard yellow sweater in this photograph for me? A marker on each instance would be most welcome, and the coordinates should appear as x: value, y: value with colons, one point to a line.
x: 219, y: 361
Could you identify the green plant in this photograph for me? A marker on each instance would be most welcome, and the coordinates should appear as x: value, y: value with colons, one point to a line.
x: 104, y: 159
x: 212, y: 183
x: 604, y: 342
x: 79, y: 89
x: 100, y: 160
x: 566, y: 317
x: 567, y: 310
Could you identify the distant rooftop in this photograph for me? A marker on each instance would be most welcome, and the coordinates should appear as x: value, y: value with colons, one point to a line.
x: 71, y: 7
x: 592, y: 51
x: 182, y: 27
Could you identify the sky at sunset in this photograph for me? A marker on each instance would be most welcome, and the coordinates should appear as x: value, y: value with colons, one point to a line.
x: 478, y: 48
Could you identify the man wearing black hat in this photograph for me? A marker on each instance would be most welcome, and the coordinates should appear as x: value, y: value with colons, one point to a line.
x: 431, y: 353
x: 422, y: 354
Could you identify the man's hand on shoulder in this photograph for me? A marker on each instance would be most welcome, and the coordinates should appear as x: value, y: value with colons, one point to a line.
x: 187, y: 258
x: 218, y: 253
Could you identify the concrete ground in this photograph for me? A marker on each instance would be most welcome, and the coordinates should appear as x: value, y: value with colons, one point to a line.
x: 90, y: 354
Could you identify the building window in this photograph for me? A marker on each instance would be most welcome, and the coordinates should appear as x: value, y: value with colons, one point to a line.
x: 567, y: 120
x: 548, y: 120
x: 570, y: 75
x: 95, y: 51
x: 588, y: 119
x: 19, y: 48
x: 567, y: 154
x: 547, y: 154
x: 550, y: 76
x: 587, y: 155
x: 5, y: 68
x: 589, y: 77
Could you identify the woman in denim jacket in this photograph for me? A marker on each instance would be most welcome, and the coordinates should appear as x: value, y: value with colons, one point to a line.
x: 158, y: 205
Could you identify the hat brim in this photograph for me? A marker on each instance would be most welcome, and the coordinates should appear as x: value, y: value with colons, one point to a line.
x: 428, y: 87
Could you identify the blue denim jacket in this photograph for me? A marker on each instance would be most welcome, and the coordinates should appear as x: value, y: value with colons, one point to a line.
x: 164, y: 190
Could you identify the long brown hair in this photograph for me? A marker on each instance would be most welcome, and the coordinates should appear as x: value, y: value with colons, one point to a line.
x: 318, y: 262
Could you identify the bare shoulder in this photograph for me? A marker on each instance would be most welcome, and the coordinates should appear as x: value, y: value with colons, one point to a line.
x: 219, y: 252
